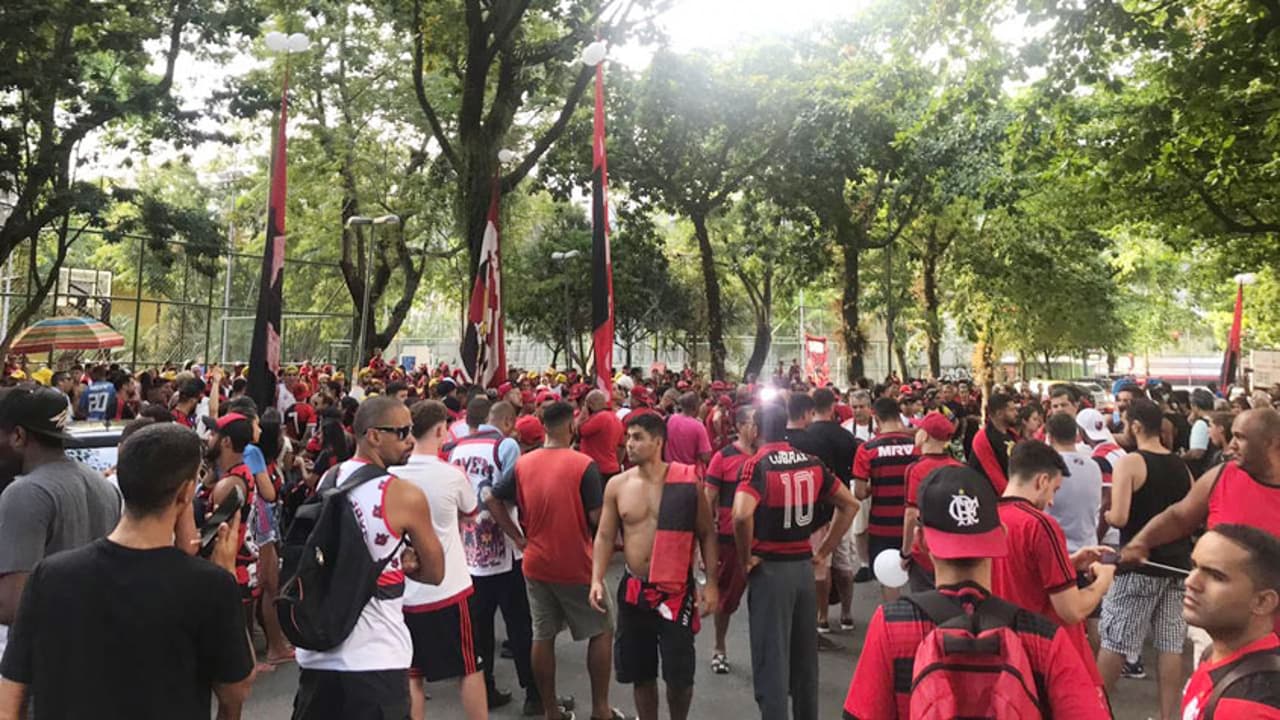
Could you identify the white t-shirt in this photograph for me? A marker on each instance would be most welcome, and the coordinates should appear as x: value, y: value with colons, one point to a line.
x: 450, y: 493
x: 862, y: 432
x: 1199, y: 435
x: 1078, y: 500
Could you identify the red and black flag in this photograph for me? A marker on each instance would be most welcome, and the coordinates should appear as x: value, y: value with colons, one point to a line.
x: 1231, y: 360
x: 264, y: 354
x: 484, y: 347
x: 601, y: 262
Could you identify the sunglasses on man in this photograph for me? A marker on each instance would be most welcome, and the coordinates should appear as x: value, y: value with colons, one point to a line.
x: 401, y: 432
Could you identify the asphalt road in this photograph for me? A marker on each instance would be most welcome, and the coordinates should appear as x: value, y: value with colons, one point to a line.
x: 715, y: 696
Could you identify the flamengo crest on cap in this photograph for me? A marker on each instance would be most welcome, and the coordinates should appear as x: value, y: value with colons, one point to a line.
x: 964, y: 509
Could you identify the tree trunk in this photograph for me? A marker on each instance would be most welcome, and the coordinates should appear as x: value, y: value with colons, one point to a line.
x: 764, y: 330
x: 42, y: 286
x: 932, y: 318
x: 715, y: 322
x: 855, y: 342
x: 1048, y: 365
x: 474, y: 193
x: 901, y: 351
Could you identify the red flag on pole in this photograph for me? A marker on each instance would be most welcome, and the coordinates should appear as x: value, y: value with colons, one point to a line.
x: 601, y: 262
x: 264, y: 353
x: 484, y: 347
x: 1231, y: 360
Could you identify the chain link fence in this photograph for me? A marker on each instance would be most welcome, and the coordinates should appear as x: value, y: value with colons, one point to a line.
x: 174, y: 304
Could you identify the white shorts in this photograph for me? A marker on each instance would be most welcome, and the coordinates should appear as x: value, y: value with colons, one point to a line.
x: 845, y: 558
x: 863, y: 519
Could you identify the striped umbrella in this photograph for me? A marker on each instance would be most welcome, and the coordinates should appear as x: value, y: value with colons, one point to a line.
x: 66, y: 333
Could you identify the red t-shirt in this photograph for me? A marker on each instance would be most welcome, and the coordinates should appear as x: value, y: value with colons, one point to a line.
x: 1037, y: 567
x: 553, y: 511
x: 881, y: 690
x: 883, y: 460
x: 723, y: 474
x: 599, y: 437
x: 1254, y: 696
x: 916, y: 473
x: 1239, y: 499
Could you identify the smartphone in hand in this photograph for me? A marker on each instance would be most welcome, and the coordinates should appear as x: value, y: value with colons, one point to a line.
x: 209, y: 530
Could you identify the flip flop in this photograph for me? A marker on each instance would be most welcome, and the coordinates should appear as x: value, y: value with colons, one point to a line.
x: 282, y: 660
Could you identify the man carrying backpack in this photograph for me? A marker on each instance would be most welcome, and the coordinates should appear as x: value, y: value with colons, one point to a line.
x: 956, y: 636
x: 365, y: 677
x: 1233, y: 594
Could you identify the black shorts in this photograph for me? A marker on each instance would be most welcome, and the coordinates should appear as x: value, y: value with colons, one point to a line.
x: 332, y: 695
x: 444, y: 645
x: 641, y: 636
x: 877, y: 544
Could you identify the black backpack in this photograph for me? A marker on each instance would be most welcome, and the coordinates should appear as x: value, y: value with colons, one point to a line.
x: 329, y: 574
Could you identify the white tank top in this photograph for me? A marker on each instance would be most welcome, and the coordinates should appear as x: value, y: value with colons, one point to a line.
x: 380, y: 639
x: 487, y: 548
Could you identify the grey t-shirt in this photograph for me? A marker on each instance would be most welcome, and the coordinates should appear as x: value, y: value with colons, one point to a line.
x: 1078, y: 501
x: 60, y: 505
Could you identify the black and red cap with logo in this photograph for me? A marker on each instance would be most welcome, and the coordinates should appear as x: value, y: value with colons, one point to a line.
x: 961, y: 517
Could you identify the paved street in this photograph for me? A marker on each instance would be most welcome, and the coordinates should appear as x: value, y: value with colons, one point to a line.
x: 715, y: 696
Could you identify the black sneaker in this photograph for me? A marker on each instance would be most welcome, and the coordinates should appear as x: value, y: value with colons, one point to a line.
x: 864, y: 574
x: 498, y: 698
x: 1133, y: 671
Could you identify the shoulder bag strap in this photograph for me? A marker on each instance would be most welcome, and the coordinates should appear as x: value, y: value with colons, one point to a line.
x: 1255, y: 664
x: 937, y: 607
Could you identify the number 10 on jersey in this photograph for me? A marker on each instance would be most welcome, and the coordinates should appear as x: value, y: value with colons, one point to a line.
x: 800, y: 492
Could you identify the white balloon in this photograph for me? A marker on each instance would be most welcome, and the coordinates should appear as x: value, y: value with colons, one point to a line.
x: 276, y: 41
x: 298, y: 42
x: 506, y: 156
x: 888, y: 569
x: 594, y: 53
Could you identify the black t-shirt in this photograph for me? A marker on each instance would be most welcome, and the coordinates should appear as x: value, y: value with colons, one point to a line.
x: 834, y: 447
x: 105, y: 631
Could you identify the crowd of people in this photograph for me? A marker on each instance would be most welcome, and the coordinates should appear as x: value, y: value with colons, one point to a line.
x: 1028, y: 546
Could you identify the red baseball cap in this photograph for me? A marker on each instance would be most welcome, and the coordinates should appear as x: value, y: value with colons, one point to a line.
x: 504, y: 388
x: 960, y: 514
x: 640, y: 393
x: 718, y: 386
x: 529, y: 430
x: 545, y: 395
x: 937, y: 426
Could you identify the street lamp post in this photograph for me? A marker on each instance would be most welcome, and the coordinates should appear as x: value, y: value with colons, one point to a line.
x: 354, y: 221
x: 562, y: 258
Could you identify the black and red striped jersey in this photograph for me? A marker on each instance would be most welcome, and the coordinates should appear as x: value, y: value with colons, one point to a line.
x: 883, y: 461
x: 787, y: 485
x: 723, y: 475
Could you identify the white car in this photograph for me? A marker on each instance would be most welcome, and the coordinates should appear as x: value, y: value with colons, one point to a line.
x: 95, y: 444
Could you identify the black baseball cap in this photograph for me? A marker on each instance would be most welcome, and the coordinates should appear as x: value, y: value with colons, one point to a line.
x: 43, y: 411
x: 960, y: 513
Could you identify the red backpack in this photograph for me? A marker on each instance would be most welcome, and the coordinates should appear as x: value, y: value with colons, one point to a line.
x: 972, y: 665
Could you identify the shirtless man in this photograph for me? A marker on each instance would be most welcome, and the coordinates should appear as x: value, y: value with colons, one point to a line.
x: 656, y: 596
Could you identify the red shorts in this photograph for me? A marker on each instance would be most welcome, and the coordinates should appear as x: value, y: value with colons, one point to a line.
x: 729, y: 578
